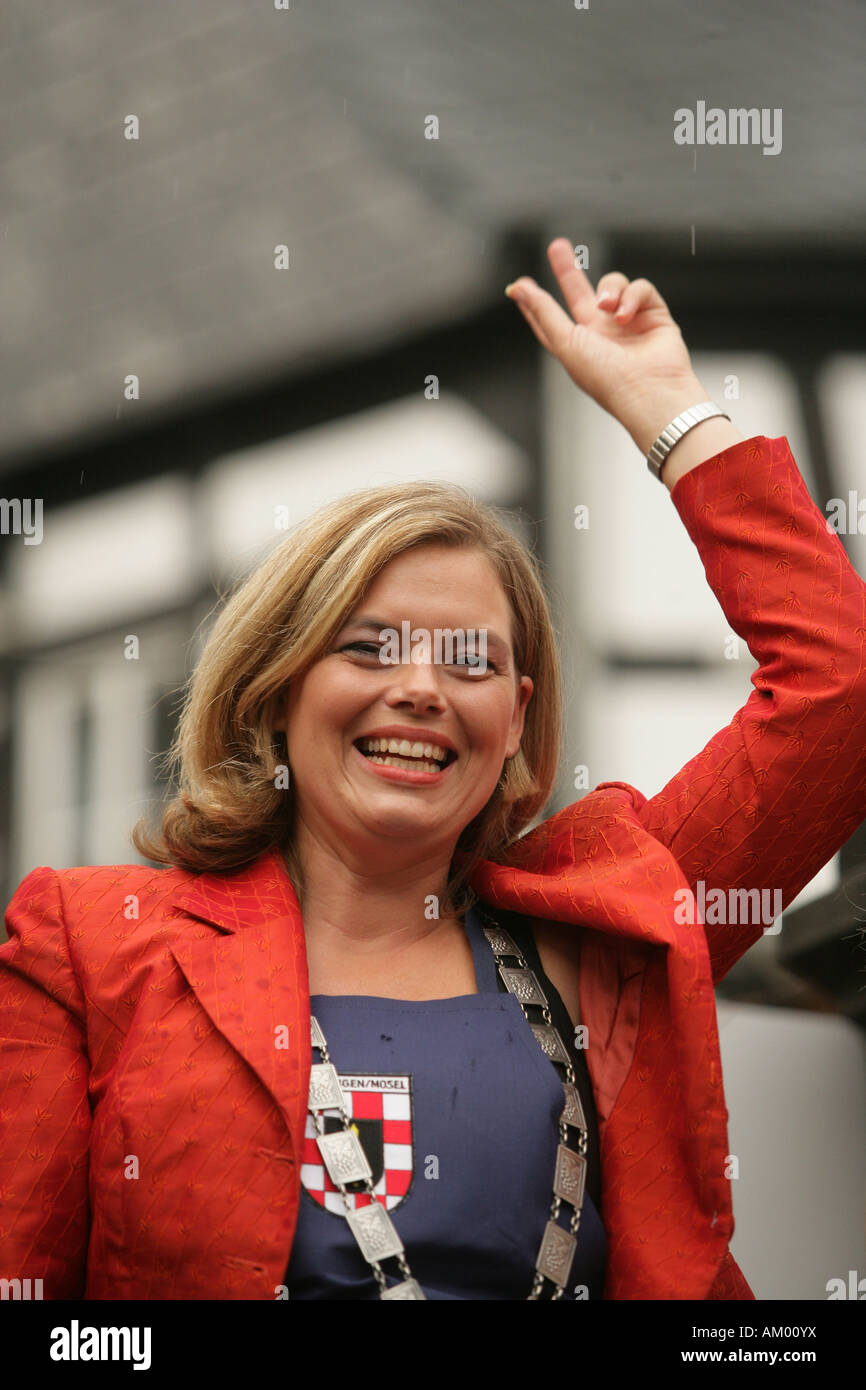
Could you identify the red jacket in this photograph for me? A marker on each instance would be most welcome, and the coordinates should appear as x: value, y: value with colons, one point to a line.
x: 138, y: 1007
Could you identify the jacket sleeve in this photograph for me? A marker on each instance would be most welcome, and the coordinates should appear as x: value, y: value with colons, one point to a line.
x: 44, y: 1107
x: 773, y: 796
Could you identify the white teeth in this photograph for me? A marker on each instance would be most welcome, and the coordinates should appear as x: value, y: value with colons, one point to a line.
x: 403, y: 748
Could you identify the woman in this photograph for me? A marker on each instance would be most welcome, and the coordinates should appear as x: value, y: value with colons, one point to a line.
x: 290, y: 1064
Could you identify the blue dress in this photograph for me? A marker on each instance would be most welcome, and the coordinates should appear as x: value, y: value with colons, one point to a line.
x: 457, y: 1108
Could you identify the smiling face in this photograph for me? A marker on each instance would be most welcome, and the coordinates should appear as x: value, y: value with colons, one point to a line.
x: 382, y: 811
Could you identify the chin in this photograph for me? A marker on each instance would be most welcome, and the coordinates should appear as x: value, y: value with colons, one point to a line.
x: 401, y: 822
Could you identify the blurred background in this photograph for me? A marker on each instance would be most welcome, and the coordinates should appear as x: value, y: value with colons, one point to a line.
x: 253, y: 257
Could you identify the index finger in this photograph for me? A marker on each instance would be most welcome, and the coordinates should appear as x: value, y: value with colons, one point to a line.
x: 575, y: 285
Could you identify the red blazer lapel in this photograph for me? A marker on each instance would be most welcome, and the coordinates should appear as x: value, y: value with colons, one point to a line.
x: 250, y: 975
x: 593, y: 864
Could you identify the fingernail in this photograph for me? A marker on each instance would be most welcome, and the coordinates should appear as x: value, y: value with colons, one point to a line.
x: 513, y: 292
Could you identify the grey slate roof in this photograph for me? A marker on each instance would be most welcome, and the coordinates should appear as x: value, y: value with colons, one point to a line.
x: 306, y: 127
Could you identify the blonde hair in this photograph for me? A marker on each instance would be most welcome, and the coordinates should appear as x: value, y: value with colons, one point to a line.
x: 225, y: 756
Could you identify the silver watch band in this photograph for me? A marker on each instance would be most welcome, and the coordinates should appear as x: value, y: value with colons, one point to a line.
x: 675, y: 431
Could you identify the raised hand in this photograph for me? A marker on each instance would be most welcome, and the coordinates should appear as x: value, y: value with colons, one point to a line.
x: 617, y: 343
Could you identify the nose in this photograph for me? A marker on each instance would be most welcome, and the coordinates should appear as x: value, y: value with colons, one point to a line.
x: 416, y: 684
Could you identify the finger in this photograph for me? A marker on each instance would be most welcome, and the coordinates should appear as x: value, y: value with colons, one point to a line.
x: 610, y: 290
x: 533, y: 323
x: 576, y: 288
x: 638, y: 295
x: 544, y: 314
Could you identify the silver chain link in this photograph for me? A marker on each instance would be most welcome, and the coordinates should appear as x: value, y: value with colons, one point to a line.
x: 375, y: 1233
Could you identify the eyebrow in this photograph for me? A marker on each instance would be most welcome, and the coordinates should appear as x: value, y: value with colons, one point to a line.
x: 377, y: 624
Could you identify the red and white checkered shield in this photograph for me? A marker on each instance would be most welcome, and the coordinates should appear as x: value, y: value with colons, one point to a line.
x: 380, y: 1111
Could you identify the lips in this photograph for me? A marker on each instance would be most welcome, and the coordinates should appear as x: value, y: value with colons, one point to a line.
x: 411, y: 772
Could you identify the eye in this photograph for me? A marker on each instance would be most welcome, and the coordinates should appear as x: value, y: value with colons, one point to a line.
x: 365, y: 648
x: 466, y: 660
x: 474, y: 663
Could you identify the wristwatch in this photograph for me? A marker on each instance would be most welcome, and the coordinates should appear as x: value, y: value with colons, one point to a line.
x: 675, y: 431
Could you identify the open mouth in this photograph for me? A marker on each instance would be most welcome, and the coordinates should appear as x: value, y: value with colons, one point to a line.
x: 419, y: 756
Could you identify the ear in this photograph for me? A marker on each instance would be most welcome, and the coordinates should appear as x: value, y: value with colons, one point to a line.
x: 522, y: 696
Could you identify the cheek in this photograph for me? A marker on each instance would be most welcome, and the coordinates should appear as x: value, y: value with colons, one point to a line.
x: 321, y: 706
x: 301, y: 720
x: 488, y: 720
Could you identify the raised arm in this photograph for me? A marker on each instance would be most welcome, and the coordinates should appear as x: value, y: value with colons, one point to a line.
x: 775, y: 794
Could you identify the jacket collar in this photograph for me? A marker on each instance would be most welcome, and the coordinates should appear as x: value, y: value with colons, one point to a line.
x: 242, y: 899
x: 591, y: 864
